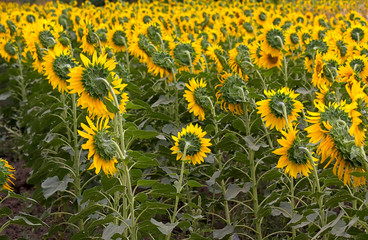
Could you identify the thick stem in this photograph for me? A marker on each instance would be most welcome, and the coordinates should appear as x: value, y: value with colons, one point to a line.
x: 179, y: 187
x: 176, y: 98
x: 292, y: 203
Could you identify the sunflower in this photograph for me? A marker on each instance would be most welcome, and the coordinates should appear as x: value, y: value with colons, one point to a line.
x: 358, y: 111
x: 161, y: 63
x: 269, y: 61
x: 272, y: 111
x: 325, y: 95
x: 255, y: 53
x: 140, y: 46
x: 92, y: 91
x: 57, y: 64
x: 217, y: 54
x: 191, y: 138
x: 8, y: 49
x: 100, y: 146
x: 273, y: 39
x: 232, y: 93
x: 357, y: 33
x: 196, y: 97
x: 325, y: 69
x: 260, y: 16
x: 330, y: 130
x: 292, y: 154
x: 89, y: 37
x: 182, y: 50
x: 117, y: 38
x: 6, y: 175
x: 359, y: 64
x: 238, y: 58
x: 292, y: 40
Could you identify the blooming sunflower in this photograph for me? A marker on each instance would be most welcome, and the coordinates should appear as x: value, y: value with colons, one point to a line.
x: 260, y: 16
x: 273, y: 39
x: 330, y: 130
x: 357, y: 33
x: 116, y: 37
x: 196, y: 97
x: 140, y: 46
x: 255, y: 53
x: 180, y: 51
x: 325, y: 95
x: 269, y: 61
x: 161, y: 63
x: 217, y: 54
x: 325, y: 69
x: 57, y: 64
x: 272, y: 111
x: 292, y: 155
x: 292, y: 40
x: 8, y: 49
x: 100, y: 145
x: 92, y: 91
x: 238, y: 58
x: 89, y: 37
x: 6, y: 175
x: 191, y: 138
x: 232, y: 92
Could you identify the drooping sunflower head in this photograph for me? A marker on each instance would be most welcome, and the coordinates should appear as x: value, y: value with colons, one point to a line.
x: 140, y: 46
x: 197, y: 97
x: 57, y: 64
x: 325, y: 95
x: 292, y: 40
x: 186, y: 53
x: 89, y: 37
x: 232, y: 92
x: 269, y: 60
x: 277, y: 105
x: 100, y: 146
x: 6, y: 175
x: 255, y: 53
x: 161, y: 63
x: 260, y: 16
x: 359, y: 64
x: 293, y: 155
x: 238, y: 58
x: 217, y: 54
x: 191, y: 143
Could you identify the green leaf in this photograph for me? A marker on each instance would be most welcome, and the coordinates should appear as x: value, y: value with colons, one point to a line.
x: 252, y: 145
x: 272, y: 174
x: 93, y: 194
x: 113, y: 229
x: 141, y: 134
x: 5, y: 212
x: 18, y: 196
x: 131, y: 105
x: 221, y: 233
x: 146, y: 162
x: 164, y: 228
x: 233, y: 190
x: 141, y: 197
x: 27, y: 220
x: 192, y: 183
x: 110, y: 106
x: 163, y: 100
x: 52, y: 184
x: 91, y: 209
x: 146, y: 182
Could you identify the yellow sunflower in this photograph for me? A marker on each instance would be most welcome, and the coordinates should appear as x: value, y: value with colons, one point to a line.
x: 92, y: 91
x: 238, y: 58
x: 231, y: 93
x: 161, y: 63
x: 140, y: 46
x: 57, y: 64
x: 330, y: 130
x: 217, y: 54
x: 182, y: 50
x: 272, y: 110
x: 196, y: 97
x: 255, y: 53
x: 100, y: 146
x: 8, y: 49
x: 273, y: 39
x: 292, y: 156
x: 6, y: 175
x: 357, y: 33
x: 269, y: 61
x: 325, y: 69
x: 191, y: 138
x: 116, y: 37
x: 89, y: 38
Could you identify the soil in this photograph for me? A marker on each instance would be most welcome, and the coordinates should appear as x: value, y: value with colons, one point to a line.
x: 18, y: 205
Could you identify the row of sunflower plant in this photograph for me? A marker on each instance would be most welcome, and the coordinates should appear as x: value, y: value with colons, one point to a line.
x: 263, y: 105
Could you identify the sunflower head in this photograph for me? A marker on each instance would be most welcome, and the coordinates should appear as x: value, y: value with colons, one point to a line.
x: 182, y: 51
x: 100, y: 145
x: 191, y: 143
x: 6, y: 175
x: 293, y: 154
x: 232, y: 92
x: 277, y: 104
x: 197, y: 97
x: 273, y: 39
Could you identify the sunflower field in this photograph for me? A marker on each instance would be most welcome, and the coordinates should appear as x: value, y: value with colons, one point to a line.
x: 185, y: 119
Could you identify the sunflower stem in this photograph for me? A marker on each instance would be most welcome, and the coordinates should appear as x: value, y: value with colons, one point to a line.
x: 205, y: 61
x: 126, y: 53
x: 190, y: 61
x: 22, y: 83
x: 318, y: 186
x: 179, y: 187
x: 162, y: 42
x: 219, y: 159
x: 292, y: 203
x: 99, y: 42
x: 77, y: 180
x: 282, y: 104
x: 176, y: 98
x: 285, y: 62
